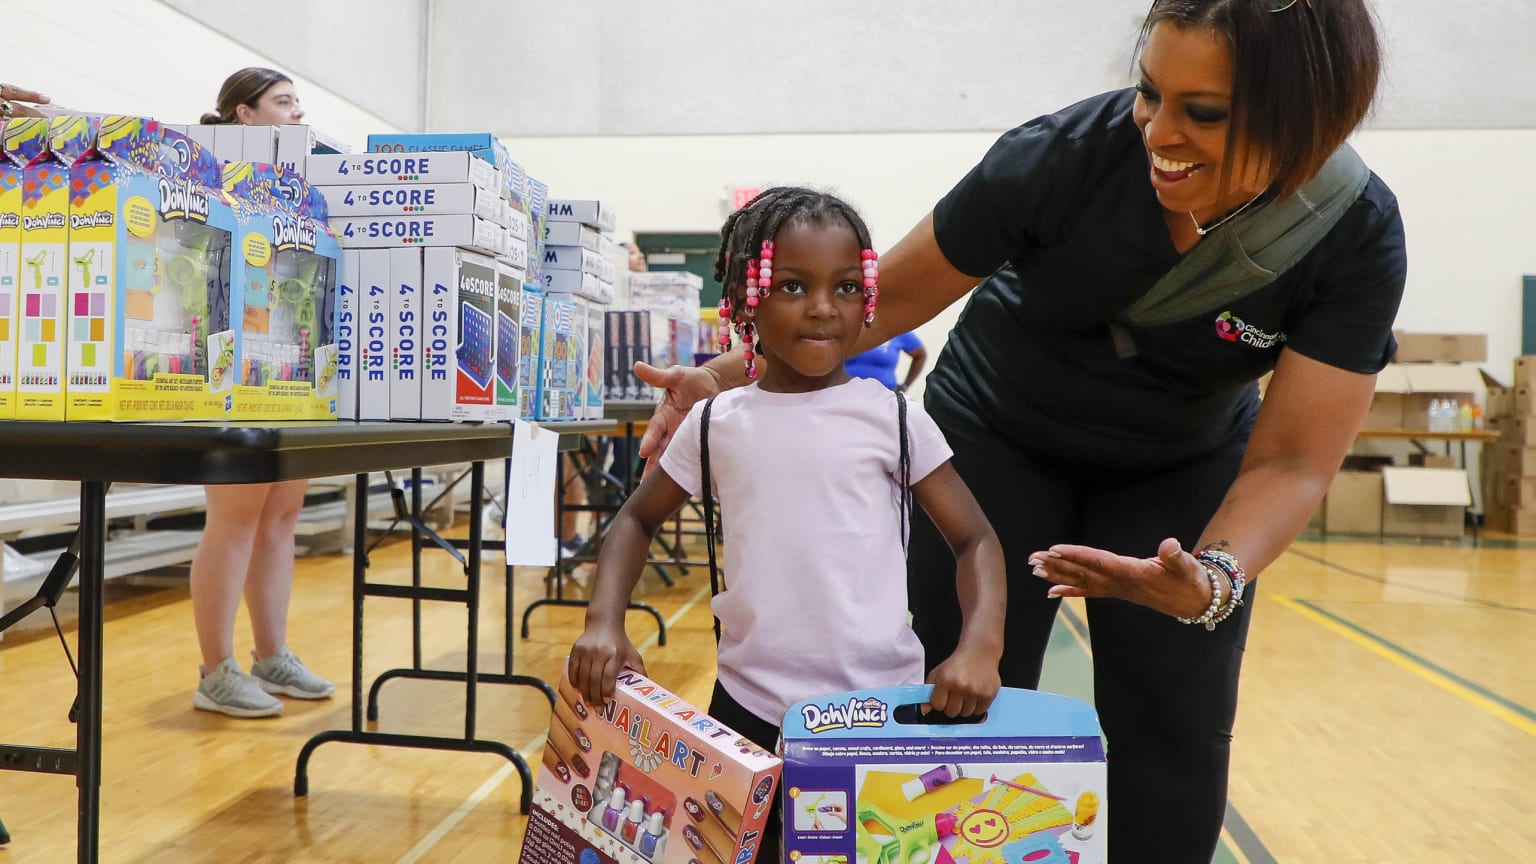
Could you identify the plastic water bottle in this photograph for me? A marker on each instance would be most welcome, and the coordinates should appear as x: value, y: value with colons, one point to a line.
x: 1466, y: 417
x: 1436, y: 415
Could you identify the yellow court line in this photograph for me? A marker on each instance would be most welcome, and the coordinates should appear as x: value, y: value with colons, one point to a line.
x: 1397, y: 658
x: 495, y: 780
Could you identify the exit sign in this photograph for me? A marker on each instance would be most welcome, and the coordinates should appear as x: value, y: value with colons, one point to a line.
x: 742, y: 194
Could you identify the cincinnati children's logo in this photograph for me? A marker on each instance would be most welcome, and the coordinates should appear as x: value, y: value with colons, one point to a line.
x: 870, y: 713
x: 1234, y: 329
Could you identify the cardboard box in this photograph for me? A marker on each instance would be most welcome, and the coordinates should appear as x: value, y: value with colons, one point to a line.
x: 286, y: 288
x: 1520, y: 521
x: 628, y: 340
x: 1441, y: 347
x: 529, y: 339
x: 1425, y: 502
x: 229, y: 142
x: 509, y: 316
x: 405, y: 310
x: 295, y: 142
x: 584, y: 211
x: 580, y: 260
x: 475, y: 376
x: 12, y: 168
x: 390, y: 232
x: 373, y: 334
x: 423, y: 199
x: 1525, y: 370
x: 572, y: 234
x: 348, y: 361
x: 358, y: 169
x: 1430, y: 460
x: 1518, y: 432
x: 152, y: 286
x: 561, y: 373
x: 440, y: 299
x: 260, y: 144
x: 45, y: 260
x: 1437, y: 381
x: 593, y: 386
x: 1027, y: 784
x: 1386, y: 410
x: 646, y: 778
x: 577, y: 283
x: 1354, y: 503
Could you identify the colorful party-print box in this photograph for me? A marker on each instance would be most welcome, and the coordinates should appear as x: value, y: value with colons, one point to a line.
x: 867, y: 779
x: 12, y: 169
x: 288, y: 267
x: 646, y: 778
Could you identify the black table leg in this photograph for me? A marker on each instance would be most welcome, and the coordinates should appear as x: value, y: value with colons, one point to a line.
x: 93, y: 517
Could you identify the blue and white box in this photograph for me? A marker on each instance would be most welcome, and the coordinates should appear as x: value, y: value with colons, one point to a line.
x: 866, y: 779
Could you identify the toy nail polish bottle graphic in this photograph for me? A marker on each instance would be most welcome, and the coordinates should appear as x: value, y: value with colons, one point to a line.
x: 631, y: 828
x: 1086, y: 815
x: 651, y: 836
x: 930, y: 780
x: 615, y: 810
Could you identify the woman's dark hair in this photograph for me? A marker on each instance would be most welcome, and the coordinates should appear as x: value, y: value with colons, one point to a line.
x: 245, y: 87
x: 761, y: 218
x: 1304, y: 75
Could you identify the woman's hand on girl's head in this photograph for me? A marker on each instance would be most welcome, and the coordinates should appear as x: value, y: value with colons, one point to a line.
x: 596, y: 659
x: 965, y: 684
x: 684, y: 386
x: 1171, y: 582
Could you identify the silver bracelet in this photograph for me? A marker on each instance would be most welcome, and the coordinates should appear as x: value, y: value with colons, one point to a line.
x: 1209, y: 618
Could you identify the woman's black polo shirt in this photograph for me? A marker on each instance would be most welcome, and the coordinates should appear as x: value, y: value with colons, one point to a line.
x: 1063, y: 217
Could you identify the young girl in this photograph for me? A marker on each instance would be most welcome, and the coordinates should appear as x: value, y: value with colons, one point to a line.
x: 806, y: 463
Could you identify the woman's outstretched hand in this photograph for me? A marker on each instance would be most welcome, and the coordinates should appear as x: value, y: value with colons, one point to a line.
x: 1172, y: 582
x: 684, y: 386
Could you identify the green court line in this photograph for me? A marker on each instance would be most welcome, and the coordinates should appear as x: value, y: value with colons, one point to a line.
x: 1069, y: 671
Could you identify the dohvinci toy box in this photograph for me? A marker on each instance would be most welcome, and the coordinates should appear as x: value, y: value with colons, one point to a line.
x: 867, y: 782
x: 45, y: 261
x: 151, y: 254
x: 646, y: 778
x: 286, y: 292
x: 11, y: 171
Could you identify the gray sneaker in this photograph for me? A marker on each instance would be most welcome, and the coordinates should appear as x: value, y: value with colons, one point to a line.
x: 227, y: 690
x: 286, y: 675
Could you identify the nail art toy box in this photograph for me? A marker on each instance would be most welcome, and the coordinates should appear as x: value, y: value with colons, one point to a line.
x: 646, y: 778
x: 285, y: 297
x: 867, y: 782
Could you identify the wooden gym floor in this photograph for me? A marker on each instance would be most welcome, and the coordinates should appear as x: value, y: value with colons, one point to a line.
x: 1388, y: 716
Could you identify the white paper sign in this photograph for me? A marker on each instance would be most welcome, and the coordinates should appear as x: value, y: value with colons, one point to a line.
x: 530, y: 528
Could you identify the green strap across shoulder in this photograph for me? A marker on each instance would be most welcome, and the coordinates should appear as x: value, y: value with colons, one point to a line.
x: 1253, y: 249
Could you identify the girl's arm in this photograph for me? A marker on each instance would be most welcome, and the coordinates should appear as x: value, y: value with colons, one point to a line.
x: 1310, y: 415
x: 966, y: 682
x: 604, y: 648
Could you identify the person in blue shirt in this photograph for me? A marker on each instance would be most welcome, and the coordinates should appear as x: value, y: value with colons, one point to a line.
x: 880, y: 363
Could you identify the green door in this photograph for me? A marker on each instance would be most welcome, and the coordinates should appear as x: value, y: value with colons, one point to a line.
x: 697, y: 251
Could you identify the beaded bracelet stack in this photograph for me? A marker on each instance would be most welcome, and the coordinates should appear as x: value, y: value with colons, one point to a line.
x: 1219, y: 565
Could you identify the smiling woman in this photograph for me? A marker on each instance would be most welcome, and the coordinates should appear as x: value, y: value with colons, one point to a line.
x: 1144, y: 257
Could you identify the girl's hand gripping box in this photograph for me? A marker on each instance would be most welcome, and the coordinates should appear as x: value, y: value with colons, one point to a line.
x: 866, y: 781
x: 646, y: 778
